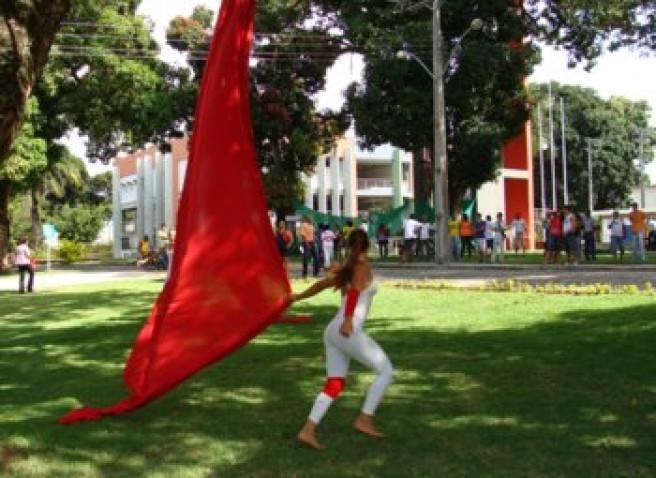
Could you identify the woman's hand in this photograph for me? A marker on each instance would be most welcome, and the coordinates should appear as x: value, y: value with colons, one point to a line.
x: 346, y: 329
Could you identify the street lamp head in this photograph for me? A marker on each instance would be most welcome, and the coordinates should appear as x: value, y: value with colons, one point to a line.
x: 477, y: 24
x: 402, y: 55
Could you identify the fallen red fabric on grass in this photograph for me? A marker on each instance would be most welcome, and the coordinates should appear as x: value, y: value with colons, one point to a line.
x: 227, y: 280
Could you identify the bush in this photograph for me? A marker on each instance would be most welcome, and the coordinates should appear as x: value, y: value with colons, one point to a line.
x: 70, y: 251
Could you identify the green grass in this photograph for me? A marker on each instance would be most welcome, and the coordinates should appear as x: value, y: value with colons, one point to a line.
x: 492, y: 385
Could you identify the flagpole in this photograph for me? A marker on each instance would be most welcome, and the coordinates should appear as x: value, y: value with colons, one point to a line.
x: 552, y: 148
x: 564, y: 150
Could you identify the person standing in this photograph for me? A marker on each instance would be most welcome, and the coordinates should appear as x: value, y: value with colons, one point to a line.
x: 519, y: 233
x: 590, y: 244
x: 284, y: 240
x: 309, y: 247
x: 383, y: 237
x: 555, y: 237
x: 638, y: 220
x: 345, y: 339
x: 26, y: 265
x: 616, y: 227
x: 328, y: 245
x: 479, y: 231
x: 454, y: 238
x: 423, y: 237
x: 410, y: 234
x: 339, y: 243
x: 499, y: 241
x: 466, y: 236
x: 489, y: 237
x: 571, y: 234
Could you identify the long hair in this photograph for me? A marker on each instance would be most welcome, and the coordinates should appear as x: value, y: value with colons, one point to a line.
x: 358, y: 243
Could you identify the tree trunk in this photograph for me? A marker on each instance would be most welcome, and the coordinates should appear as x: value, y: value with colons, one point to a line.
x: 27, y: 31
x: 5, y: 189
x: 35, y: 216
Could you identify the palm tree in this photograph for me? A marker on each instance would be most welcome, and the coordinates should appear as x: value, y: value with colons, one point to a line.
x: 65, y: 172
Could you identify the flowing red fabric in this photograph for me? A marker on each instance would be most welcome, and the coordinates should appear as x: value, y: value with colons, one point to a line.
x: 227, y: 281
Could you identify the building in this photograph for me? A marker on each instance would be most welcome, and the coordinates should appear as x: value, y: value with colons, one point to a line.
x: 349, y: 181
x: 147, y: 185
x: 512, y: 192
x: 649, y: 199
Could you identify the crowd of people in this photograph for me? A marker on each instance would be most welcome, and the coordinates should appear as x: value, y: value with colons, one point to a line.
x: 486, y: 237
x: 566, y: 230
x: 156, y: 256
x: 320, y: 246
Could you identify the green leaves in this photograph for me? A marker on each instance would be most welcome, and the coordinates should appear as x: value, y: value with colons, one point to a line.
x: 28, y: 154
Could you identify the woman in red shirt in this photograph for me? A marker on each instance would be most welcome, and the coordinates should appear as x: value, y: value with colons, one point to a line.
x: 555, y: 237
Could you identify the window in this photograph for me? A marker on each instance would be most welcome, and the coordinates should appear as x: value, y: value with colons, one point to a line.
x: 328, y: 162
x: 129, y: 221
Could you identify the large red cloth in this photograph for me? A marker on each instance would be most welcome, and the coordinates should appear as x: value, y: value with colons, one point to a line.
x: 227, y: 281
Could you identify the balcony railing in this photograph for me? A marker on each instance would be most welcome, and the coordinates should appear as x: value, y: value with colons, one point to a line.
x: 372, y: 183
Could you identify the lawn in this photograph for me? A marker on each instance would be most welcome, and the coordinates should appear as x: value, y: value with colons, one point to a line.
x: 487, y: 385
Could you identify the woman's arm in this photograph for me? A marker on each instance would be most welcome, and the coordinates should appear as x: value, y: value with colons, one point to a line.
x: 314, y: 289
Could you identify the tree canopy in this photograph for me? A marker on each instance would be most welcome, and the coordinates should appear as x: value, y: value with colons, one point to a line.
x: 616, y: 123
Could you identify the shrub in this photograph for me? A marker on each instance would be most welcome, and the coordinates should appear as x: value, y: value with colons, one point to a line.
x: 70, y: 251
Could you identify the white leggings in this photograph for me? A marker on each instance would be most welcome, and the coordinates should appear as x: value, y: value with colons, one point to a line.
x: 339, y: 352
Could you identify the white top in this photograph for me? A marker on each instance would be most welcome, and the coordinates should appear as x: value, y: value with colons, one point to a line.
x: 23, y: 255
x: 489, y: 229
x: 499, y: 229
x: 361, y: 311
x: 616, y: 228
x: 328, y: 236
x: 424, y: 232
x: 519, y: 226
x: 588, y: 224
x: 569, y: 223
x: 411, y: 228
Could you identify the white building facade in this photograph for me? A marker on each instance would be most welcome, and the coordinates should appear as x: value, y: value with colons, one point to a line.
x: 349, y: 181
x: 146, y: 192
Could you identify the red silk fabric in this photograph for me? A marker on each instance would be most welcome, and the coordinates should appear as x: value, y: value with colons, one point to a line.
x: 227, y: 280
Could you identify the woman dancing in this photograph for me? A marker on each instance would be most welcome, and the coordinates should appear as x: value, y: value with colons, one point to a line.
x: 345, y: 339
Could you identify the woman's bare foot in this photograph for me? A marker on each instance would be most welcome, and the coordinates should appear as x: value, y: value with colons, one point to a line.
x: 308, y: 437
x: 365, y: 424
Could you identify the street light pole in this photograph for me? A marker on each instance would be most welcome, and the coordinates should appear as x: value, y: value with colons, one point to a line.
x: 441, y: 196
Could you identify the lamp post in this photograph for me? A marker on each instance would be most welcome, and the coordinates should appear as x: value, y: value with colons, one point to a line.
x: 593, y: 146
x: 441, y: 179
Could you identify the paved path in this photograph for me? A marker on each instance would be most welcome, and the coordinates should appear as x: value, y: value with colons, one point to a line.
x: 62, y: 278
x: 470, y: 274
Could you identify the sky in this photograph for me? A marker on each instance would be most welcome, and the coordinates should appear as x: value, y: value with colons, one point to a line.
x: 624, y: 73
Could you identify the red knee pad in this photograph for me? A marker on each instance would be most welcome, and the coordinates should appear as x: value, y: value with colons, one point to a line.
x: 334, y: 386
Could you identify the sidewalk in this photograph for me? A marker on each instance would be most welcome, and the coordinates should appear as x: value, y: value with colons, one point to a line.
x: 469, y: 266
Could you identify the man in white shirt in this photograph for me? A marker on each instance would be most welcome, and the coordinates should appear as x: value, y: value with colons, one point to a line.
x: 328, y: 245
x: 499, y: 227
x: 519, y: 233
x: 424, y: 236
x: 410, y: 233
x: 489, y: 237
x: 616, y: 227
x: 571, y: 233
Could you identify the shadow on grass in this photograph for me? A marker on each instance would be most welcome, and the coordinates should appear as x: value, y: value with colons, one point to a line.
x: 572, y: 397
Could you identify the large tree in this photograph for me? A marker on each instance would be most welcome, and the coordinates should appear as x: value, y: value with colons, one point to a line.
x: 585, y: 28
x: 485, y: 99
x: 105, y: 79
x: 616, y: 123
x: 27, y: 32
x: 290, y: 62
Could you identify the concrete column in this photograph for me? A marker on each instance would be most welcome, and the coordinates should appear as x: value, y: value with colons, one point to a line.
x: 321, y: 171
x: 149, y: 205
x: 117, y: 212
x: 168, y: 189
x: 141, y: 219
x: 397, y: 178
x: 335, y: 182
x: 309, y: 193
x: 158, y: 191
x: 350, y: 184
